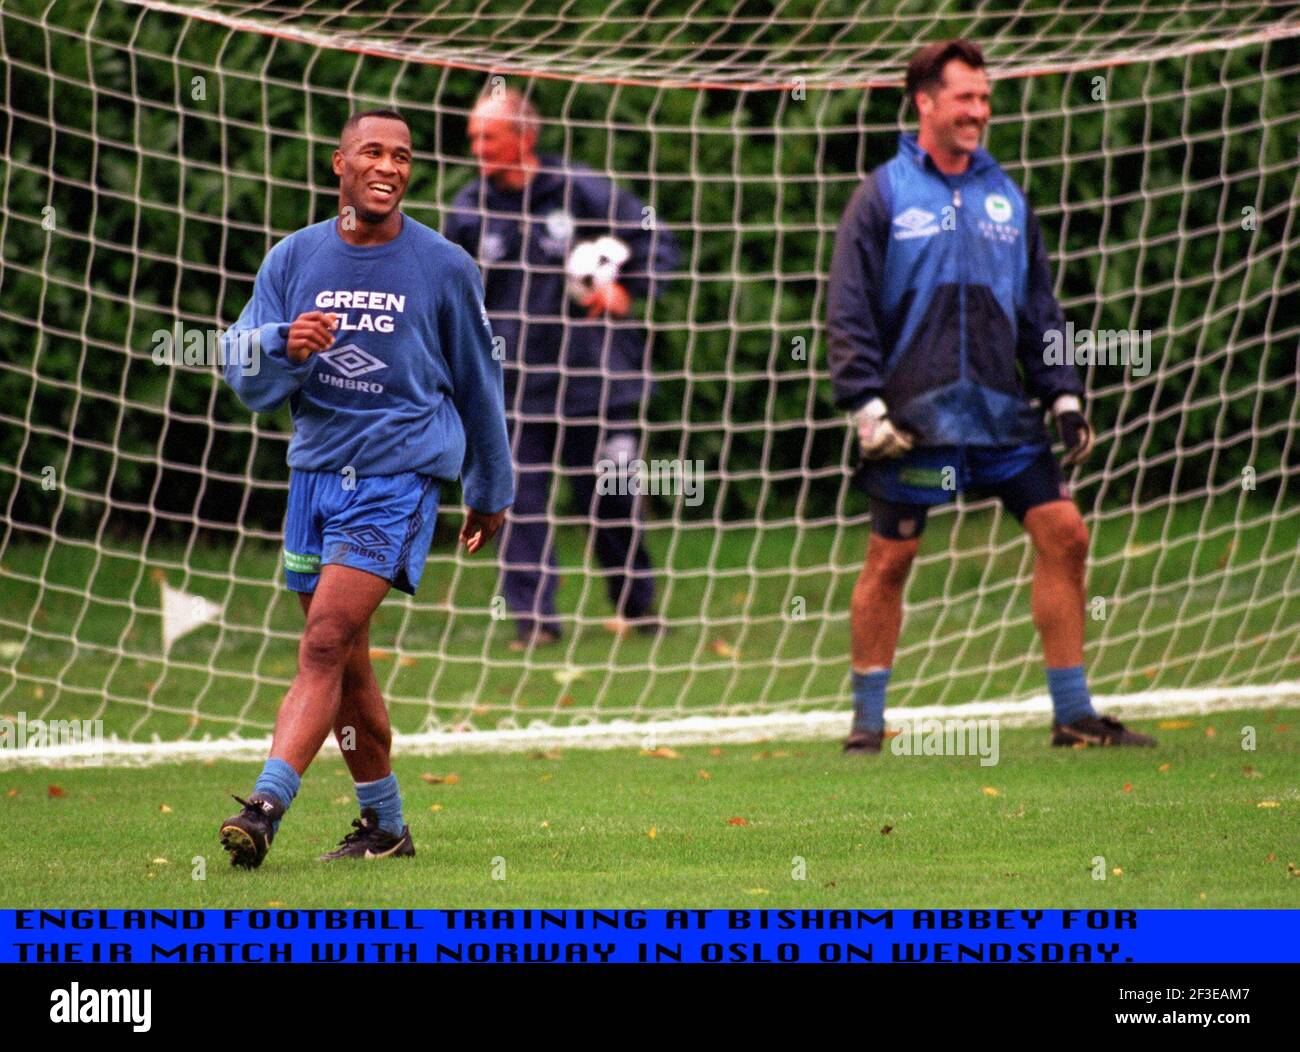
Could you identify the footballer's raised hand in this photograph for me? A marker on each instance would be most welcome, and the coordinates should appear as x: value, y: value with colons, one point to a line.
x: 611, y: 299
x: 1074, y: 428
x: 877, y: 435
x: 480, y: 527
x: 310, y: 332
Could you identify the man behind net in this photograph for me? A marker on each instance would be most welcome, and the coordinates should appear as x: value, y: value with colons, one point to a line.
x: 940, y: 287
x: 372, y: 326
x: 575, y: 372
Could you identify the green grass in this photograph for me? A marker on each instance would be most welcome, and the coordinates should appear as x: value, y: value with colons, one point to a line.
x: 576, y: 829
x: 1192, y: 598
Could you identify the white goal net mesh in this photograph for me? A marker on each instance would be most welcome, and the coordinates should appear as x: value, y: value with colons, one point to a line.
x: 154, y: 152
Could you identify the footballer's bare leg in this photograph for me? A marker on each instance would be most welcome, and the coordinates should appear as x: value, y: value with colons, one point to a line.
x: 365, y: 737
x: 876, y: 615
x: 877, y: 608
x: 362, y: 727
x: 341, y: 607
x: 337, y: 614
x: 1061, y: 542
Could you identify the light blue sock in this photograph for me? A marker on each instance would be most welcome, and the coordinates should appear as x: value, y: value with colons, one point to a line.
x: 280, y: 780
x: 384, y: 799
x: 1070, y: 698
x: 869, y: 700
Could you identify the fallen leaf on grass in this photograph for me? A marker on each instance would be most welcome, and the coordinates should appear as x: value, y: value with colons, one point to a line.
x: 435, y: 807
x: 1117, y: 871
x: 12, y: 793
x: 566, y: 702
x: 1281, y: 728
x: 652, y: 832
x: 342, y: 800
x: 756, y: 891
x: 1175, y: 725
x: 545, y: 825
x: 737, y: 821
x: 1270, y: 857
x: 159, y: 862
x: 1291, y: 870
x: 703, y: 774
x: 164, y: 809
x: 1163, y: 768
x: 56, y: 790
x: 1251, y: 772
x: 988, y: 790
x: 1268, y: 803
x: 723, y: 649
x: 565, y: 676
x: 275, y: 904
x: 1128, y: 787
x: 440, y: 779
x: 376, y: 654
x: 550, y: 754
x: 1210, y: 732
x: 406, y: 662
x: 886, y: 830
x: 661, y: 753
x: 715, y: 752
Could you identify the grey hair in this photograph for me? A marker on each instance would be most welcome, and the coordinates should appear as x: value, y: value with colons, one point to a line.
x: 519, y: 109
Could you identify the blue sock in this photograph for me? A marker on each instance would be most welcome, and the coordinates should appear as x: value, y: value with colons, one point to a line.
x: 280, y: 780
x: 869, y: 700
x: 384, y: 799
x: 1070, y: 698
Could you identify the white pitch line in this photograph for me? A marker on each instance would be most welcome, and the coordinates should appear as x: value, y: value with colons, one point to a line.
x: 690, y: 730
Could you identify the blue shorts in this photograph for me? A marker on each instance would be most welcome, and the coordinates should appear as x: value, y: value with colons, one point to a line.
x: 382, y: 524
x: 903, y: 489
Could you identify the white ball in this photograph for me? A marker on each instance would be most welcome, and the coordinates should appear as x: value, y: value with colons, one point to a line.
x: 595, y: 264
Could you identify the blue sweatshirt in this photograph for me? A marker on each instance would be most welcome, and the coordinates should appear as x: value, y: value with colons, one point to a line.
x: 410, y: 382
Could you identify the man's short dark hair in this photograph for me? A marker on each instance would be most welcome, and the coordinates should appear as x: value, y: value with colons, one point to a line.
x: 925, y: 71
x: 357, y: 118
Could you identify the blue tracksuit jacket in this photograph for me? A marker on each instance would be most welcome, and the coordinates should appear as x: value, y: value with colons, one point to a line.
x: 940, y: 293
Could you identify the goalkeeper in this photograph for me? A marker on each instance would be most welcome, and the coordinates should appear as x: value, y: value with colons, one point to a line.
x: 372, y: 326
x: 575, y: 373
x: 939, y: 288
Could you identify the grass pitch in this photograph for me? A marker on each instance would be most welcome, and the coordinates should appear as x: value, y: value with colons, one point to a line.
x: 1197, y: 822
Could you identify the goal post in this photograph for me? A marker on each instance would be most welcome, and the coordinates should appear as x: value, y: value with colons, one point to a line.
x: 154, y: 152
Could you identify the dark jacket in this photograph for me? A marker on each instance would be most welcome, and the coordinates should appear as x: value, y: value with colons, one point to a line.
x: 940, y: 293
x: 557, y: 361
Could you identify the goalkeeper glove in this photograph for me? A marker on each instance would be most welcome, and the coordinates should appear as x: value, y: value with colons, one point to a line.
x: 877, y: 435
x: 1075, y: 432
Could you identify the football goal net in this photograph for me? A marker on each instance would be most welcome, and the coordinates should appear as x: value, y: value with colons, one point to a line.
x: 154, y: 152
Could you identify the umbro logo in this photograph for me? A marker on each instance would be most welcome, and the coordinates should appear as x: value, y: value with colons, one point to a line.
x: 367, y: 537
x: 352, y: 361
x: 915, y: 222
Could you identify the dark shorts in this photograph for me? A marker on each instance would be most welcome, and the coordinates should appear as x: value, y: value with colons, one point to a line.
x: 903, y: 490
x: 382, y: 524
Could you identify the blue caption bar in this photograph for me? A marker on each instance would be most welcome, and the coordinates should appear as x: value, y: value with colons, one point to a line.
x: 650, y: 936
